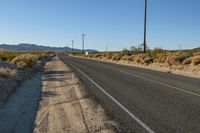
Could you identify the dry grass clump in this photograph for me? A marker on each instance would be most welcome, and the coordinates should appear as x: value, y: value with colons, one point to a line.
x: 7, y: 56
x: 108, y: 56
x: 143, y: 59
x: 42, y: 56
x: 8, y: 72
x: 131, y: 58
x: 125, y: 57
x: 171, y: 59
x: 196, y: 60
x: 148, y: 60
x: 182, y: 56
x: 160, y: 57
x: 116, y: 57
x: 156, y: 52
x: 178, y: 58
x: 97, y: 55
x: 25, y: 61
x: 196, y: 53
x: 187, y: 61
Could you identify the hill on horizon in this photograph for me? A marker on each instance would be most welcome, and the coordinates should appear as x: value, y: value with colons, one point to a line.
x: 34, y: 47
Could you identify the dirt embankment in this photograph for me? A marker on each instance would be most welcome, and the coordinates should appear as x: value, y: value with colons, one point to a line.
x: 16, y: 67
x: 18, y: 113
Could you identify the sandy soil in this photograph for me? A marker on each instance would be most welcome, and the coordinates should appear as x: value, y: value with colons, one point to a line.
x: 65, y: 105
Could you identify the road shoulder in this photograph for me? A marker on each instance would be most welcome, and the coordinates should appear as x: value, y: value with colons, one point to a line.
x: 66, y: 106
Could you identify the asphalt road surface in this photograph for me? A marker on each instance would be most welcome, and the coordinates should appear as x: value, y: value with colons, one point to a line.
x: 145, y: 100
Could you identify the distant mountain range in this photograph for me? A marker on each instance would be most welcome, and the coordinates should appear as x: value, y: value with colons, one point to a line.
x: 33, y: 47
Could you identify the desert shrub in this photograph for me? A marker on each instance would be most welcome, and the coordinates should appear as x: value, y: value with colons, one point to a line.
x: 97, y: 55
x: 171, y: 59
x: 181, y: 57
x: 131, y: 58
x: 148, y: 60
x: 25, y: 61
x: 116, y: 57
x: 196, y: 60
x: 196, y: 53
x: 42, y: 56
x: 108, y: 56
x: 160, y: 57
x: 126, y: 51
x: 179, y: 53
x: 142, y: 58
x: 187, y: 61
x: 8, y: 72
x: 177, y: 58
x: 156, y: 52
x: 7, y: 56
x: 137, y: 59
x: 125, y: 57
x: 90, y: 55
x: 137, y: 49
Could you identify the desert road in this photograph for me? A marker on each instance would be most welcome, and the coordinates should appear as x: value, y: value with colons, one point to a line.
x: 144, y: 100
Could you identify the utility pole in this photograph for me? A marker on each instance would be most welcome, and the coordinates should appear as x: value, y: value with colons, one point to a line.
x: 145, y: 27
x: 83, y: 35
x: 72, y: 46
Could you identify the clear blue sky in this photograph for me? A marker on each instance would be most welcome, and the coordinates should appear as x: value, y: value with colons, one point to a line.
x: 116, y: 23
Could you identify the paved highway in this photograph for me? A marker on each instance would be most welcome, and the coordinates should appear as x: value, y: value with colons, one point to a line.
x: 145, y: 100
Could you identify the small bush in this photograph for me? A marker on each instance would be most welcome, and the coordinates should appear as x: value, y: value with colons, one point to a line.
x: 187, y: 61
x: 156, y: 52
x: 25, y: 61
x: 137, y: 50
x: 171, y: 59
x: 126, y: 51
x: 140, y: 59
x: 148, y: 60
x: 177, y: 58
x: 196, y: 60
x: 8, y: 72
x: 7, y: 56
x: 116, y: 57
x: 108, y: 56
x: 131, y: 58
x: 181, y: 57
x: 126, y: 57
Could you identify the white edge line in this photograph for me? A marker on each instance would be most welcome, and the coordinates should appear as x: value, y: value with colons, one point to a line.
x: 119, y: 104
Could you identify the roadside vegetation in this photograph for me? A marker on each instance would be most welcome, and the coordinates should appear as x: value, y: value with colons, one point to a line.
x: 187, y: 61
x: 8, y: 72
x: 16, y: 66
x: 156, y: 55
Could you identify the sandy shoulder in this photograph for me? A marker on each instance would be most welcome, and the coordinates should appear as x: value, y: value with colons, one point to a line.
x: 65, y: 105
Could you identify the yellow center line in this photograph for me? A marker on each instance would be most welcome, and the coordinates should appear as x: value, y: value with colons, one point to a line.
x: 157, y: 82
